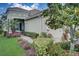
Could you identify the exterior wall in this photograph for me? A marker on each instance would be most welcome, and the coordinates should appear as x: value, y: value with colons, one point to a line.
x: 16, y: 14
x: 35, y: 25
x: 38, y: 25
x: 11, y: 14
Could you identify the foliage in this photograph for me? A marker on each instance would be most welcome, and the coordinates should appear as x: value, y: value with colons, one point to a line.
x: 65, y: 45
x: 54, y: 17
x: 77, y: 34
x: 12, y: 24
x: 55, y: 50
x: 60, y: 15
x: 31, y: 34
x: 43, y: 34
x: 1, y: 30
x: 10, y: 47
x: 77, y: 48
x: 41, y: 45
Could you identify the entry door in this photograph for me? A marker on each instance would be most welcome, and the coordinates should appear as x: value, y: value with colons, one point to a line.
x: 20, y: 26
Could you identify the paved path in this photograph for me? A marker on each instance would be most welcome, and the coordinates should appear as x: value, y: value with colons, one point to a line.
x: 26, y: 38
x: 26, y: 41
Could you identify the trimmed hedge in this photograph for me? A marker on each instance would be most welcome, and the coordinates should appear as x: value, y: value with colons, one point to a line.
x: 31, y: 34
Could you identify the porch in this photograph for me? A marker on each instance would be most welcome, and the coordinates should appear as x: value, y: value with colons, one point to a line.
x: 16, y: 29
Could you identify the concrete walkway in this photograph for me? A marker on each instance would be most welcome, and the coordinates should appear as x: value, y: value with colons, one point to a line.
x: 25, y: 42
x: 26, y: 38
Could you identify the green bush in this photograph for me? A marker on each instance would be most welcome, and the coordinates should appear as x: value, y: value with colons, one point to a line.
x: 1, y: 31
x: 65, y: 45
x: 55, y: 50
x: 44, y: 35
x: 77, y: 34
x: 46, y: 47
x: 31, y: 34
x: 77, y: 48
x: 41, y: 45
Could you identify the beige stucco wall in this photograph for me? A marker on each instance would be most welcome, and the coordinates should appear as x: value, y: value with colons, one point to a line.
x: 35, y: 25
x: 20, y: 15
x: 14, y: 14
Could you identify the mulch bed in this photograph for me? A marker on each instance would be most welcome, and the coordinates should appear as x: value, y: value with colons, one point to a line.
x: 13, y: 34
x: 29, y: 50
x: 67, y: 53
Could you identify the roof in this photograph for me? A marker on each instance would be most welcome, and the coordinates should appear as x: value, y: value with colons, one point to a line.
x: 32, y: 13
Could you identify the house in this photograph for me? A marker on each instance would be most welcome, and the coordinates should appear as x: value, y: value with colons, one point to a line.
x: 29, y: 21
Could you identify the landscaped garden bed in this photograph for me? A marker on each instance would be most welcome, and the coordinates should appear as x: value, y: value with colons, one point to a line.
x: 41, y: 46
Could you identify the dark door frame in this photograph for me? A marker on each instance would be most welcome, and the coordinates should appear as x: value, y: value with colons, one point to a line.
x: 21, y: 24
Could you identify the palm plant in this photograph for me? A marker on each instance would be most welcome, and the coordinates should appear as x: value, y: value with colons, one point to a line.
x: 12, y: 24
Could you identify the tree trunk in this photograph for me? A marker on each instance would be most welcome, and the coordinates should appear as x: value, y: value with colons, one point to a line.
x: 13, y: 29
x: 71, y: 48
x: 72, y: 31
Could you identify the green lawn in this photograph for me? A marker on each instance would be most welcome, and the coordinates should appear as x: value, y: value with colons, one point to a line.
x: 10, y: 47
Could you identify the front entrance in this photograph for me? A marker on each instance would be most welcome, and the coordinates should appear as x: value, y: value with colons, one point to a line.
x: 20, y: 26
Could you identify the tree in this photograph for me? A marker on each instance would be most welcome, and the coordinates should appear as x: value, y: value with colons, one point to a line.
x: 60, y: 15
x: 12, y: 25
x: 8, y: 23
x: 1, y: 27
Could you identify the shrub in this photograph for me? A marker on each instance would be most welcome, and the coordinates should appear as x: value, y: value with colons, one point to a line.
x: 31, y: 34
x: 77, y: 47
x: 77, y: 34
x: 41, y: 45
x: 44, y: 35
x: 1, y: 27
x: 55, y: 50
x: 1, y: 31
x: 65, y: 45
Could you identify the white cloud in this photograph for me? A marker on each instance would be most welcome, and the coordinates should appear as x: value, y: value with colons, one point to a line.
x: 21, y: 6
x: 34, y: 6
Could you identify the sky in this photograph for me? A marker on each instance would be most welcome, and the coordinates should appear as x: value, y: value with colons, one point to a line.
x: 27, y: 6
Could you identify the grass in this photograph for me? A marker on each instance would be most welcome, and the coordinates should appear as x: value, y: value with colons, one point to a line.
x: 10, y: 47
